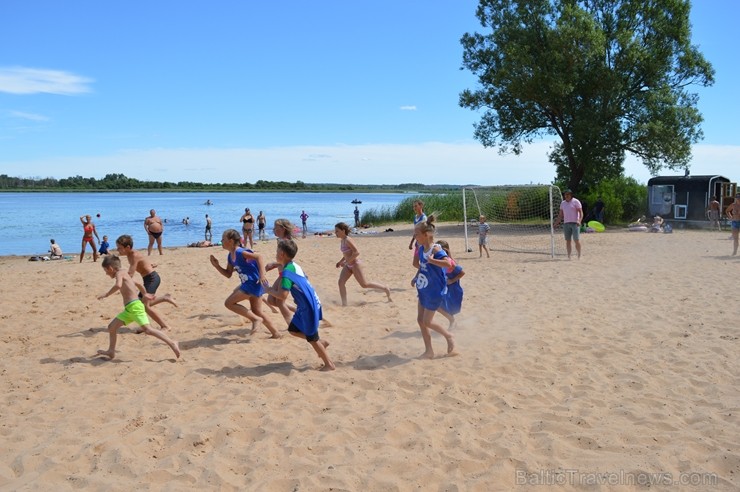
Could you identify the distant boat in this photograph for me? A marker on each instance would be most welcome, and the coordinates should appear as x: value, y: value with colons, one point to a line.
x: 356, y: 201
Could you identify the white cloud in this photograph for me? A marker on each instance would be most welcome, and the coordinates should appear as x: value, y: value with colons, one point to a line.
x: 29, y: 116
x: 408, y: 108
x: 21, y: 80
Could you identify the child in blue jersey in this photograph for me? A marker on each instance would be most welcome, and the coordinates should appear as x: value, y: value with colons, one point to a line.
x: 282, y: 229
x: 431, y: 285
x: 419, y: 217
x: 305, y: 321
x: 452, y: 303
x: 251, y: 271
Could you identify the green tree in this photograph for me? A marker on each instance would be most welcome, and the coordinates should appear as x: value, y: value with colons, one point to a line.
x: 604, y: 77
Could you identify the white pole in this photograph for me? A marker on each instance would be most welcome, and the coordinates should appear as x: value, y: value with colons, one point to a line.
x: 465, y: 224
x: 552, y: 227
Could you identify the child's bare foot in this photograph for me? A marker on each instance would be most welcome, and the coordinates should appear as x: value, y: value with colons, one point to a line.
x: 276, y: 336
x: 107, y: 353
x: 255, y: 325
x: 168, y: 298
x: 451, y: 346
x: 267, y: 303
x: 388, y: 293
x: 176, y: 349
x: 327, y: 368
x: 427, y: 355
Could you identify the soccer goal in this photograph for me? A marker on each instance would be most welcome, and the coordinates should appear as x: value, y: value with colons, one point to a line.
x: 521, y: 217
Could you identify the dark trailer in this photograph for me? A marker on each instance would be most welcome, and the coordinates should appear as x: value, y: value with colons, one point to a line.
x: 683, y: 200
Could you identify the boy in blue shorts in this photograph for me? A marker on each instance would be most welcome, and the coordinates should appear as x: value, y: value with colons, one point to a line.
x: 305, y: 321
x: 133, y: 312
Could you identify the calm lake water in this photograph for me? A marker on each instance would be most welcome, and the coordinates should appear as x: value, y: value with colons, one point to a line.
x: 29, y: 220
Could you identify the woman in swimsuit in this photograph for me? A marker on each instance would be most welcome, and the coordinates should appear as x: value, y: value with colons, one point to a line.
x: 350, y: 264
x: 248, y: 228
x: 89, y: 230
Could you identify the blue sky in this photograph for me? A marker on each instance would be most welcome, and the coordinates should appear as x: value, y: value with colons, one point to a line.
x: 322, y: 91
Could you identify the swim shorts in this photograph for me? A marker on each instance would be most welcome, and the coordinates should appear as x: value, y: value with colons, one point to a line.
x: 134, y: 312
x: 151, y: 283
x: 312, y: 338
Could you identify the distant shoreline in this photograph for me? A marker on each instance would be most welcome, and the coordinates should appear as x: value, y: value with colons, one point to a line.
x: 210, y: 190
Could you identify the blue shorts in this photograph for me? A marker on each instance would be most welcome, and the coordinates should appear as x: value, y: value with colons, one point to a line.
x: 431, y: 302
x: 735, y: 224
x: 252, y: 288
x: 572, y: 230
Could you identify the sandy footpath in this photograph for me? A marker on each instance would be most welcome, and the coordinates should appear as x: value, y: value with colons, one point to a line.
x: 605, y: 373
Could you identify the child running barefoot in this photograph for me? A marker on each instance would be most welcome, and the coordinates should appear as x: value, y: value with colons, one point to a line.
x: 141, y: 264
x: 431, y: 286
x: 133, y: 308
x: 452, y: 303
x: 283, y: 229
x: 305, y: 322
x: 251, y: 271
x: 350, y: 264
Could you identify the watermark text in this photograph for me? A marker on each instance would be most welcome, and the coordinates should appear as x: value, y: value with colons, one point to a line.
x: 621, y: 477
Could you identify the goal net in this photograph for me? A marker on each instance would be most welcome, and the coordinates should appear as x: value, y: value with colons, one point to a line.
x: 521, y: 217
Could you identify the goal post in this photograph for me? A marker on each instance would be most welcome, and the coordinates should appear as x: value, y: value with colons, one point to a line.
x: 521, y: 217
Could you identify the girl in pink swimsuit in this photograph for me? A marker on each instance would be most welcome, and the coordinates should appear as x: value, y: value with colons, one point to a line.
x: 350, y: 264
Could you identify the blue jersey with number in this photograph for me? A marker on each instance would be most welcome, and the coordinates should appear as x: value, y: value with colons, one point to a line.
x: 431, y: 281
x: 249, y: 273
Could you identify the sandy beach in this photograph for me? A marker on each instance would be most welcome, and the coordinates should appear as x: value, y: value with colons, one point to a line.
x: 618, y: 371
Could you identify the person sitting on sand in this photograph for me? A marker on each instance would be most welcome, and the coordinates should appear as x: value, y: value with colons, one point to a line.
x: 657, y: 224
x: 55, y: 250
x: 134, y: 310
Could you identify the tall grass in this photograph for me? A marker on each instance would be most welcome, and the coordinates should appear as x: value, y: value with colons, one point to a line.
x: 447, y: 206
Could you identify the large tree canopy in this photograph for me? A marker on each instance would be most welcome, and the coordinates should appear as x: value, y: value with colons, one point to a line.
x: 606, y: 77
